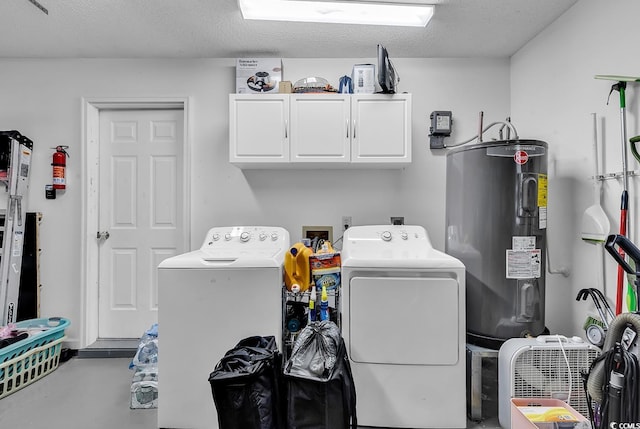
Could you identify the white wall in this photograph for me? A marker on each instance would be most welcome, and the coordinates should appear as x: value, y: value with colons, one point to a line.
x: 41, y: 99
x: 547, y: 88
x: 553, y: 93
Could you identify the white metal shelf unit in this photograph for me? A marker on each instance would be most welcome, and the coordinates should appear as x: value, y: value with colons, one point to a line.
x: 295, y: 314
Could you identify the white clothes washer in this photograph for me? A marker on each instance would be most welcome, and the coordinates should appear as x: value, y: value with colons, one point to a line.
x: 403, y: 322
x: 208, y: 300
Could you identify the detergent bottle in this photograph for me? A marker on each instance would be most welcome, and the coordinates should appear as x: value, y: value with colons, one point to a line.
x: 297, y: 271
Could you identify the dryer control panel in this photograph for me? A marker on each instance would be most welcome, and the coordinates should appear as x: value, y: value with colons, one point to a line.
x: 391, y: 245
x: 386, y: 241
x: 387, y: 233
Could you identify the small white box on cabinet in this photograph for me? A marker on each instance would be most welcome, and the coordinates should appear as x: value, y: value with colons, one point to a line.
x: 364, y: 79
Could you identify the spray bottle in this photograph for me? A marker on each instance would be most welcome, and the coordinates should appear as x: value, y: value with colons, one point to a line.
x: 324, y: 304
x: 312, y: 304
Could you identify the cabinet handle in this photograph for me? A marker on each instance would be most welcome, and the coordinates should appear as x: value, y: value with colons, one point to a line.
x: 354, y: 128
x: 286, y: 128
x: 347, y: 128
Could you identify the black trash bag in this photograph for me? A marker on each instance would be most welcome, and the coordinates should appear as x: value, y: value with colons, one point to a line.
x: 246, y: 385
x: 319, y: 385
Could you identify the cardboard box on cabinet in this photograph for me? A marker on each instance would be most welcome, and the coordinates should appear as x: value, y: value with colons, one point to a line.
x: 258, y: 75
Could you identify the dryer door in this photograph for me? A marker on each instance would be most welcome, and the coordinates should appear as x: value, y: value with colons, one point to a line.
x: 407, y: 321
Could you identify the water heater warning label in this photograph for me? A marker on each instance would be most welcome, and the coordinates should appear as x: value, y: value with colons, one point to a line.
x: 524, y: 261
x: 523, y: 243
x: 542, y: 217
x: 543, y: 191
x: 542, y: 200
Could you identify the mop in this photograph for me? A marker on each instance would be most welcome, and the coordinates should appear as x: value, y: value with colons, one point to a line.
x: 620, y: 86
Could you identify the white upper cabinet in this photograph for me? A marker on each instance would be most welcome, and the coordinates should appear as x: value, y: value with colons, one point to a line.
x: 381, y: 128
x: 319, y: 130
x: 258, y: 129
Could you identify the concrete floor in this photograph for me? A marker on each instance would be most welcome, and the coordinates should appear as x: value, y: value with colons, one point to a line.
x: 79, y: 394
x: 90, y: 393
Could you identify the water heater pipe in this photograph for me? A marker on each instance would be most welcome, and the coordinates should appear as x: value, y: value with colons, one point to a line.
x: 509, y: 125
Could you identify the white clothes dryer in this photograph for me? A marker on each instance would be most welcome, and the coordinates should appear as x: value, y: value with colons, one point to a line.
x: 403, y: 322
x: 208, y: 300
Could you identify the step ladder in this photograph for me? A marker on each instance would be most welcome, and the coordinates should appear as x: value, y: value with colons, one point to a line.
x: 15, y: 163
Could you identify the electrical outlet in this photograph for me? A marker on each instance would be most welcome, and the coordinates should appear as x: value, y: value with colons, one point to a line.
x: 346, y: 223
x: 397, y: 220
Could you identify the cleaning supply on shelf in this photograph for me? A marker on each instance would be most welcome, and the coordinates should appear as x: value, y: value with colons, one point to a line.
x: 324, y: 304
x: 324, y: 246
x: 312, y: 304
x: 297, y: 271
x: 325, y: 269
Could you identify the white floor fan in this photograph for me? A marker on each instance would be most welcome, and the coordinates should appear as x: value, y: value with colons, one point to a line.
x: 548, y: 366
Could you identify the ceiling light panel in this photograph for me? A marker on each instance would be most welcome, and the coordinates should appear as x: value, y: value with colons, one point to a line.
x: 395, y: 14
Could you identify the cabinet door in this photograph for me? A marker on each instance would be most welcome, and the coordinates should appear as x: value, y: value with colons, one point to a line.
x: 258, y: 128
x: 381, y: 128
x: 320, y: 128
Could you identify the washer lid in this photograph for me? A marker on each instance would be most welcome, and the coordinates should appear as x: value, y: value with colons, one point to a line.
x: 236, y: 246
x: 402, y: 246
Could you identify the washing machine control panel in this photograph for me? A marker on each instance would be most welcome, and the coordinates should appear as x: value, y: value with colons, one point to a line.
x: 244, y: 237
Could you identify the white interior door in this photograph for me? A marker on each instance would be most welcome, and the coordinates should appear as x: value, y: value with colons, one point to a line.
x: 140, y: 214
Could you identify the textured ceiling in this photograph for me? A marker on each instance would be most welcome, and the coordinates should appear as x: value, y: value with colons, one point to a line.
x: 215, y: 29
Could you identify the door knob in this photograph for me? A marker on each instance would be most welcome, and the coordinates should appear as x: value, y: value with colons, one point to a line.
x: 104, y: 235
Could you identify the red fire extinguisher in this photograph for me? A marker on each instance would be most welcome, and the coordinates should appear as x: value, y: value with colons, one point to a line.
x: 59, y: 166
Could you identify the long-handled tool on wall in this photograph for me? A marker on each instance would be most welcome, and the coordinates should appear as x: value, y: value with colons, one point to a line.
x: 620, y: 86
x: 595, y: 223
